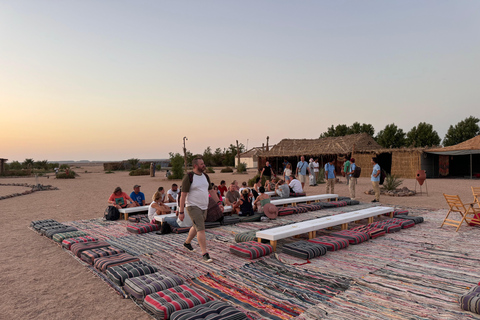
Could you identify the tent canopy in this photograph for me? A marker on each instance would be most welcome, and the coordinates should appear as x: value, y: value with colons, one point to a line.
x: 471, y: 146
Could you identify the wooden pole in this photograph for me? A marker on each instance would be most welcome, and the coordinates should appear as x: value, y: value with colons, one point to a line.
x: 267, y: 142
x: 238, y: 155
x: 185, y: 153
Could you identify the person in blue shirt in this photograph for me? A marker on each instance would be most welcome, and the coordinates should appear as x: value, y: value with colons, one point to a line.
x: 353, y: 180
x: 302, y: 168
x: 137, y: 196
x: 330, y: 176
x: 376, y: 179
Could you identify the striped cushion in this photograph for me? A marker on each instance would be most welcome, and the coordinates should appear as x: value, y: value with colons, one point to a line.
x: 119, y: 274
x: 332, y: 243
x: 352, y: 202
x: 44, y: 228
x: 212, y: 310
x: 110, y: 261
x: 140, y: 287
x: 373, y: 232
x: 471, y: 300
x: 298, y: 194
x: 180, y: 230
x: 89, y: 256
x: 59, y: 237
x: 397, y: 212
x: 402, y: 222
x: 251, y: 249
x: 233, y: 219
x: 311, y: 206
x: 40, y: 226
x: 246, y: 236
x: 51, y: 232
x: 139, y: 218
x: 343, y: 198
x: 285, y: 211
x: 417, y: 220
x: 353, y: 237
x: 336, y: 204
x: 67, y: 243
x: 254, y: 218
x: 143, y: 227
x: 40, y: 222
x: 304, y: 249
x: 78, y: 248
x: 300, y: 209
x: 388, y: 227
x: 162, y: 304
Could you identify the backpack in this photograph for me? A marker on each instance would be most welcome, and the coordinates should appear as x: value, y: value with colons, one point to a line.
x: 356, y: 172
x: 383, y: 174
x: 190, y: 177
x: 111, y: 213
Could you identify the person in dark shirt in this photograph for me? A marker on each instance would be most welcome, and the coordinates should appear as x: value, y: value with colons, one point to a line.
x: 267, y: 171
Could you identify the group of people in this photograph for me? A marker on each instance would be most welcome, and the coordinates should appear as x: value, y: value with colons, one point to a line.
x: 121, y: 200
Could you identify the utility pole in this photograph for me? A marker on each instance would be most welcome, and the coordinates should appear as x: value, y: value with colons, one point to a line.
x: 185, y: 153
x: 267, y: 142
x: 238, y: 154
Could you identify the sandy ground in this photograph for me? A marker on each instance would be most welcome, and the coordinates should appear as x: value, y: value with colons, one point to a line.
x: 41, y: 281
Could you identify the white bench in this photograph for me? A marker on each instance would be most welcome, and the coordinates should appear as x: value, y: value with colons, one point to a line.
x: 125, y: 212
x: 161, y: 218
x: 307, y: 199
x: 311, y: 226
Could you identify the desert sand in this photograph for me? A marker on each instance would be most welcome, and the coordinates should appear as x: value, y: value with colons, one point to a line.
x: 41, y: 281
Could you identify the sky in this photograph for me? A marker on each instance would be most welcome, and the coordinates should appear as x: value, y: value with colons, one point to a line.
x: 113, y: 80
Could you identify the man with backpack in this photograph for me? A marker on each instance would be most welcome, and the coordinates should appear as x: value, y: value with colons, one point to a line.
x: 194, y: 198
x: 346, y: 169
x: 353, y: 180
x: 376, y: 179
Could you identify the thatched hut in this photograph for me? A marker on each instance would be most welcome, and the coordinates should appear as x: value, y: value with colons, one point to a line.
x: 336, y: 148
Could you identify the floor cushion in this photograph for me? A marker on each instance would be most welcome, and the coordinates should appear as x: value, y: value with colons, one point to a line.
x: 181, y: 230
x: 45, y: 228
x: 67, y: 243
x: 118, y: 274
x: 285, y: 211
x: 256, y: 217
x: 353, y: 237
x: 231, y: 220
x: 78, y: 248
x: 59, y: 237
x: 373, y: 232
x: 417, y: 220
x: 297, y: 194
x: 343, y: 198
x: 251, y: 249
x: 214, y: 310
x: 332, y: 243
x: 37, y: 227
x: 304, y: 249
x: 336, y: 204
x: 388, y: 227
x: 352, y: 202
x: 39, y: 222
x: 103, y: 263
x: 470, y: 301
x: 143, y: 228
x: 139, y: 218
x: 301, y: 209
x: 140, y: 287
x: 397, y: 212
x: 163, y: 303
x: 311, y: 206
x: 405, y: 223
x: 246, y: 236
x: 51, y: 232
x: 89, y: 256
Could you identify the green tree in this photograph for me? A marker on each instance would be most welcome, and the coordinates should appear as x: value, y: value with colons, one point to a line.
x: 177, y: 164
x: 423, y: 135
x: 391, y: 136
x: 218, y: 157
x: 208, y: 157
x: 462, y: 131
x: 231, y: 153
x: 28, y: 163
x: 133, y: 162
x: 15, y: 165
x: 342, y: 130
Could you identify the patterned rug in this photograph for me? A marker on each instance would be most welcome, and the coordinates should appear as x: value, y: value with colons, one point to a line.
x: 416, y: 273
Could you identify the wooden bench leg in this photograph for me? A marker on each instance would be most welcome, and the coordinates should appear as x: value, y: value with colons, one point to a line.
x: 391, y: 214
x: 370, y: 220
x: 126, y: 215
x: 345, y: 226
x: 273, y: 243
x: 312, y: 234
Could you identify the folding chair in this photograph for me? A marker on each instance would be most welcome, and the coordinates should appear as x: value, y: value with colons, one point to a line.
x: 476, y: 195
x: 465, y: 210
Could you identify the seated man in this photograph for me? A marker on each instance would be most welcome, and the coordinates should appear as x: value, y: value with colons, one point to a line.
x: 137, y: 196
x: 119, y: 199
x: 282, y: 189
x: 231, y: 199
x: 222, y: 188
x: 172, y: 193
x: 295, y: 185
x: 244, y: 186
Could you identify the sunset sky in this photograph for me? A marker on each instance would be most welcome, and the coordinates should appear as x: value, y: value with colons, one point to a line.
x: 112, y: 80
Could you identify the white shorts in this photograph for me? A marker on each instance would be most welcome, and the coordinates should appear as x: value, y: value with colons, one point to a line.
x: 302, y: 178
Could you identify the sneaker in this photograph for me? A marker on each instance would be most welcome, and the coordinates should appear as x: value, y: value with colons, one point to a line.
x: 188, y: 246
x: 206, y: 258
x: 375, y: 200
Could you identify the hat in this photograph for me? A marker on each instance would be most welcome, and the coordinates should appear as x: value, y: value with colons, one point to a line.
x: 270, y: 210
x: 311, y: 159
x: 136, y: 186
x: 352, y: 160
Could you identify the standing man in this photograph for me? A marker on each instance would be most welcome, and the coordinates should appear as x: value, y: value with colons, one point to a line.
x: 330, y: 175
x: 376, y: 179
x: 353, y: 180
x: 137, y: 196
x: 194, y: 198
x: 346, y: 168
x: 301, y: 172
x: 316, y: 171
x: 267, y: 171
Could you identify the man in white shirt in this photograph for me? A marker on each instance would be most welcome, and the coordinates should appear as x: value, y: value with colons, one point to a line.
x: 172, y: 193
x: 194, y: 197
x: 295, y: 185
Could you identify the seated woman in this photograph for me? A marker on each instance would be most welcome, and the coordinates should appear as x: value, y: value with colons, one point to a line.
x: 119, y: 199
x: 282, y: 189
x: 261, y: 200
x: 270, y: 185
x: 246, y: 207
x: 157, y: 208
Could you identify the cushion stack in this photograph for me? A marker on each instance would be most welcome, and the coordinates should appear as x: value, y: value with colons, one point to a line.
x: 119, y: 274
x: 140, y: 287
x: 103, y: 263
x: 89, y: 256
x: 210, y: 310
x: 59, y: 237
x: 67, y: 243
x: 251, y: 249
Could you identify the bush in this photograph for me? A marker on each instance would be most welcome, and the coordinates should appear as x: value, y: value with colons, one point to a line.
x: 140, y: 172
x: 63, y: 175
x: 64, y: 167
x: 145, y: 165
x: 391, y: 182
x: 17, y: 173
x: 251, y: 182
x: 321, y: 176
x: 210, y: 170
x: 226, y: 169
x: 242, y: 167
x: 158, y: 167
x: 176, y: 161
x: 109, y: 171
